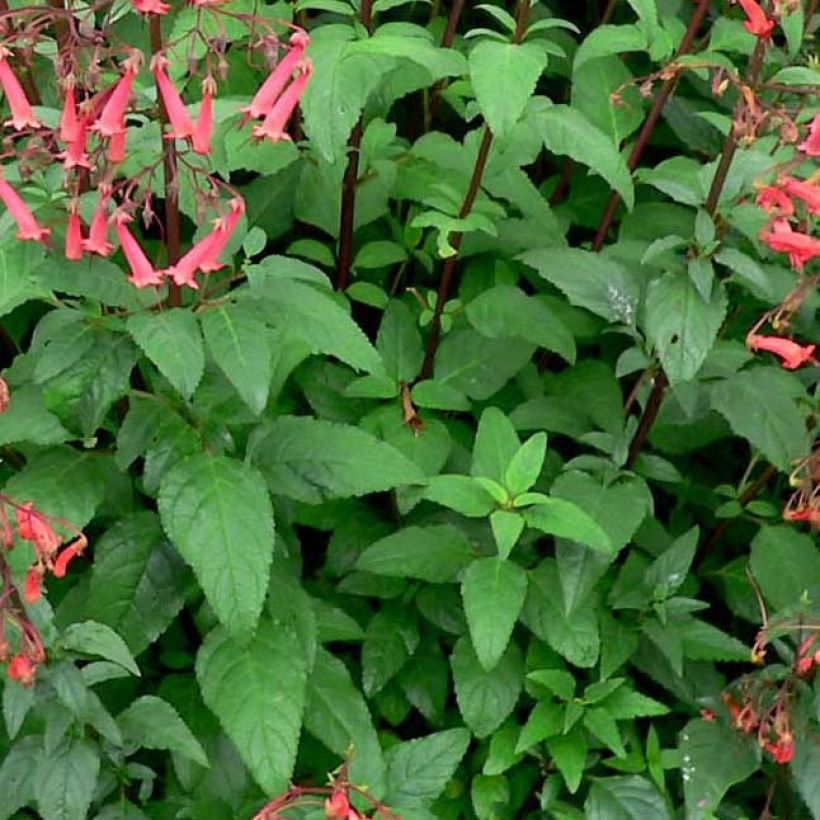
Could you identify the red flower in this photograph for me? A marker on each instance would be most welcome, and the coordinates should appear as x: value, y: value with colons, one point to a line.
x: 21, y: 114
x: 337, y: 806
x: 69, y: 121
x: 800, y: 247
x: 273, y: 126
x: 23, y: 516
x: 27, y: 226
x: 812, y: 144
x: 21, y: 668
x: 150, y: 6
x: 75, y: 154
x: 112, y: 117
x: 782, y: 750
x: 275, y: 84
x: 806, y: 191
x: 97, y: 241
x: 201, y: 138
x: 116, y: 145
x: 774, y: 201
x: 792, y: 354
x: 74, y: 237
x: 221, y: 235
x: 805, y: 514
x: 143, y: 274
x: 182, y: 126
x: 64, y: 559
x: 34, y: 585
x: 757, y: 22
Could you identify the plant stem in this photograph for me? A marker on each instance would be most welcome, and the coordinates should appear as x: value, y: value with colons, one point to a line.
x: 351, y: 177
x: 650, y: 122
x: 650, y: 413
x: 169, y: 164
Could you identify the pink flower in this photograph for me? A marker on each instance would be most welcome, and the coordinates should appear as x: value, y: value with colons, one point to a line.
x: 142, y: 271
x: 21, y: 114
x: 34, y: 585
x: 27, y: 225
x: 97, y: 241
x: 273, y: 126
x: 812, y: 144
x: 116, y: 145
x: 182, y: 271
x: 275, y: 84
x: 22, y: 668
x: 205, y: 122
x: 806, y: 191
x: 182, y: 126
x: 774, y: 201
x: 112, y: 117
x: 792, y: 354
x: 150, y: 6
x: 221, y: 235
x: 74, y: 237
x: 64, y: 559
x: 800, y: 247
x: 75, y: 154
x: 69, y: 121
x: 757, y: 22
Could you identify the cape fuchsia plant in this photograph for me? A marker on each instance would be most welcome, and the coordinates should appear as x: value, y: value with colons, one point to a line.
x: 409, y: 410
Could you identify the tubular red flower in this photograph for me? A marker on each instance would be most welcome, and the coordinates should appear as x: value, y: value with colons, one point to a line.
x: 806, y: 191
x: 22, y: 669
x: 774, y: 201
x: 182, y: 272
x: 800, y: 247
x: 116, y: 145
x: 27, y: 225
x: 34, y: 585
x: 757, y: 22
x: 97, y: 241
x: 812, y: 144
x: 792, y: 354
x: 75, y: 154
x: 21, y: 114
x: 182, y: 126
x: 782, y: 751
x: 69, y: 121
x: 221, y: 235
x: 275, y: 84
x: 64, y: 559
x: 74, y: 237
x: 273, y: 126
x: 201, y: 141
x: 150, y: 6
x: 22, y: 515
x: 143, y: 274
x: 112, y: 117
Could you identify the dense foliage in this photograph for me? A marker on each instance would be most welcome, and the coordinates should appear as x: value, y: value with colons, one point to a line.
x: 408, y: 409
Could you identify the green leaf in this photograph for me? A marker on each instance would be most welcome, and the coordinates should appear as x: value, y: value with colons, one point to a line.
x: 490, y: 796
x: 151, y: 723
x: 589, y: 280
x: 65, y: 780
x: 238, y: 343
x: 436, y: 554
x: 525, y: 466
x: 173, y: 342
x: 496, y: 443
x: 605, y: 41
x: 391, y: 638
x: 419, y: 769
x: 681, y: 325
x: 257, y: 690
x: 17, y: 774
x: 503, y: 76
x: 399, y: 342
x: 460, y: 493
x: 804, y: 770
x: 566, y: 131
x: 555, y: 516
x: 507, y: 311
x: 313, y: 460
x: 715, y: 757
x: 18, y: 264
x: 625, y: 798
x: 218, y: 515
x: 759, y: 405
x: 493, y: 591
x: 667, y: 572
x: 560, y: 682
x: 337, y: 715
x: 485, y: 699
x: 546, y: 720
x: 91, y: 638
x: 786, y: 565
x: 604, y: 727
x: 28, y: 420
x: 569, y: 752
x: 507, y: 528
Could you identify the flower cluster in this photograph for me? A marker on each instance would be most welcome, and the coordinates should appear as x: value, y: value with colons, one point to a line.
x: 771, y: 723
x: 757, y: 22
x: 91, y: 141
x: 808, y: 655
x: 804, y: 504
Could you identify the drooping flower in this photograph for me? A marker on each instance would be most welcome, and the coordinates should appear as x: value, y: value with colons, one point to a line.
x: 182, y: 271
x: 143, y: 274
x: 757, y: 22
x: 782, y: 750
x: 116, y: 145
x: 33, y: 589
x: 792, y: 355
x: 75, y: 154
x: 221, y: 235
x: 64, y: 559
x: 22, y: 115
x: 812, y: 144
x: 774, y: 201
x: 337, y: 806
x: 150, y: 6
x: 806, y: 191
x: 97, y: 241
x: 182, y: 126
x: 273, y: 126
x: 69, y: 120
x: 74, y: 237
x: 201, y: 138
x: 27, y: 225
x: 800, y: 247
x: 112, y: 117
x: 22, y: 669
x: 275, y: 84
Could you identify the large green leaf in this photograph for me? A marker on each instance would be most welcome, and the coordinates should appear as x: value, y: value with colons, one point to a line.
x: 65, y: 780
x: 257, y: 690
x: 18, y: 264
x: 759, y: 405
x: 804, y: 770
x: 17, y: 775
x: 91, y: 638
x: 217, y: 513
x: 556, y: 516
x: 605, y: 41
x: 496, y: 443
x: 314, y: 460
x: 28, y: 420
x: 493, y: 591
x: 786, y: 565
x: 399, y: 342
x: 681, y: 325
x: 173, y: 342
x: 625, y: 798
x: 503, y: 76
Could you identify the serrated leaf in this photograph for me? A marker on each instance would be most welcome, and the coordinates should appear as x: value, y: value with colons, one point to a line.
x: 64, y: 781
x: 28, y: 420
x: 217, y: 513
x: 436, y: 554
x: 525, y: 466
x: 493, y: 591
x: 625, y: 798
x: 804, y: 770
x: 605, y: 41
x: 681, y: 325
x: 507, y: 528
x: 460, y: 493
x: 496, y: 442
x: 786, y: 565
x: 173, y: 342
x: 313, y: 460
x: 667, y: 572
x: 257, y: 690
x: 391, y: 638
x: 399, y: 342
x: 151, y: 723
x: 93, y: 638
x: 556, y: 516
x: 17, y: 774
x: 503, y: 76
x: 569, y: 751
